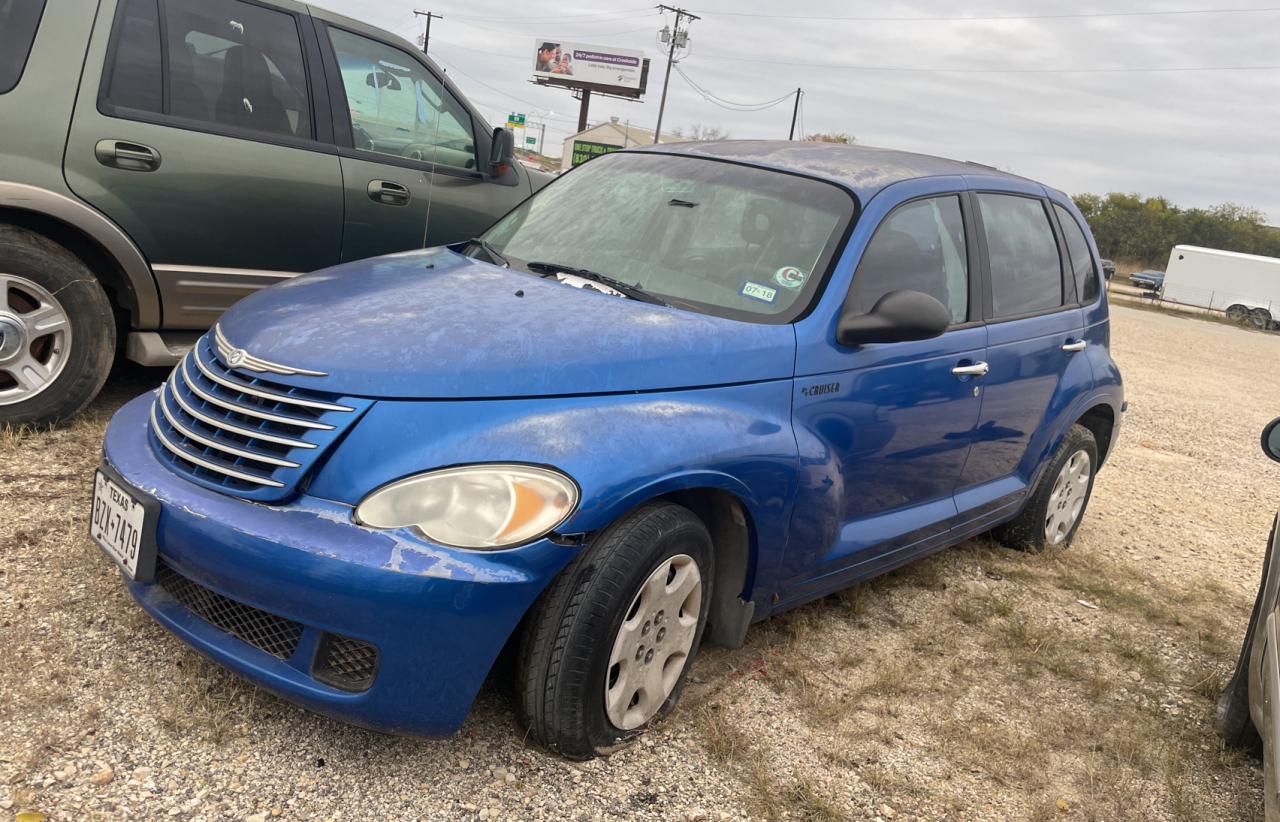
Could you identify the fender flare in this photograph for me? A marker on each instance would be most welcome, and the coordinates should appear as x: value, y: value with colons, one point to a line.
x: 100, y: 230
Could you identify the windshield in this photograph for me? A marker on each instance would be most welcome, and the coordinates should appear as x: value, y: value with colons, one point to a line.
x: 718, y: 237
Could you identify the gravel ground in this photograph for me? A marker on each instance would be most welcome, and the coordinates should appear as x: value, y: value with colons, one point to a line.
x: 978, y: 684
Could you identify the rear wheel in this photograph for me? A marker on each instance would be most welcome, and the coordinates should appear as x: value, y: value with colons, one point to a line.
x: 607, y: 647
x: 1260, y: 318
x: 57, y: 331
x: 1057, y: 505
x: 1237, y: 313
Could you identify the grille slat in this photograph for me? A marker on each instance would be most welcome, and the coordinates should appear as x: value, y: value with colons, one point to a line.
x: 265, y: 631
x: 241, y: 434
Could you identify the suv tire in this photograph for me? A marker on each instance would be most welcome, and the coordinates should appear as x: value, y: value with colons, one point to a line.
x: 613, y: 595
x: 1057, y: 505
x: 42, y: 276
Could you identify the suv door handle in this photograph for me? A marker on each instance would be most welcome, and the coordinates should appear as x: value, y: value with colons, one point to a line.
x: 978, y: 369
x: 126, y: 156
x: 388, y: 193
x: 1078, y: 345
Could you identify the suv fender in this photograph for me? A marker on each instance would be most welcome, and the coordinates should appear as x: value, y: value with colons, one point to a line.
x: 140, y: 286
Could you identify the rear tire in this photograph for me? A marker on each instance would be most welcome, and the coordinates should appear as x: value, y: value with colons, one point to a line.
x: 645, y: 579
x: 1260, y: 318
x: 1056, y: 507
x: 57, y: 330
x: 1237, y: 313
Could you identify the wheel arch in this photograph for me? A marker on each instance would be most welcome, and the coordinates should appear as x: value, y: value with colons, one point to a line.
x: 1100, y: 419
x: 102, y: 246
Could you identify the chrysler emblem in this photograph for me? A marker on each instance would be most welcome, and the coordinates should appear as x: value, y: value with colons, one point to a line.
x: 236, y: 358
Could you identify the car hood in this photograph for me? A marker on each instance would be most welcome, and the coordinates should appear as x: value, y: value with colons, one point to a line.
x: 435, y: 324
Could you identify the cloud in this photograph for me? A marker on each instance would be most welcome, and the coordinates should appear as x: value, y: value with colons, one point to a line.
x: 1196, y: 137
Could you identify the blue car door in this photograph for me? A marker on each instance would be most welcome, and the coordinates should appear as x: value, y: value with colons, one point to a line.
x: 1035, y: 339
x: 884, y: 429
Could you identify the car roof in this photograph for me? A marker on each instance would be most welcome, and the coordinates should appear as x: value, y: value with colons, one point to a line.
x: 865, y: 170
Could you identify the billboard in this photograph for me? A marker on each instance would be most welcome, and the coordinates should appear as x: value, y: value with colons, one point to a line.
x: 584, y: 150
x: 574, y: 63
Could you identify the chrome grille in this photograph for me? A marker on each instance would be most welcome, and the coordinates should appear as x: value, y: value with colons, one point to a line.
x: 240, y: 433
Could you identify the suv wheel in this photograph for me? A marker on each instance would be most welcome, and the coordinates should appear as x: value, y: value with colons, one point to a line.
x: 57, y: 331
x: 1056, y: 506
x: 606, y: 649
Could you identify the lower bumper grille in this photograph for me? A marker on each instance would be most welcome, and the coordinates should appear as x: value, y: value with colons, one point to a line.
x: 267, y: 632
x: 345, y: 663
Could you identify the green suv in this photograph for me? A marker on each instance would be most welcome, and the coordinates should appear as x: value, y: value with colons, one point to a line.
x: 161, y: 159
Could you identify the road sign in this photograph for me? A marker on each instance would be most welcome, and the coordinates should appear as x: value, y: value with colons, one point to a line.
x: 515, y: 120
x: 531, y: 140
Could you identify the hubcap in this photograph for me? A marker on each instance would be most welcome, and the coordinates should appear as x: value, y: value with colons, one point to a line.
x: 35, y: 337
x: 653, y: 643
x: 1066, y: 501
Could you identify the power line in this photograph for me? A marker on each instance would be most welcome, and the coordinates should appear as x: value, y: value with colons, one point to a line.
x: 730, y: 105
x: 921, y: 70
x: 1000, y: 17
x: 532, y: 34
x: 562, y: 17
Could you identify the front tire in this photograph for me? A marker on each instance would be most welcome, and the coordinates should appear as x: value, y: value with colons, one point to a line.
x: 57, y: 331
x: 1057, y: 505
x: 606, y: 649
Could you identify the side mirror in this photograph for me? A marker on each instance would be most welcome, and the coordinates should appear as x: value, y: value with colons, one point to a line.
x: 898, y: 316
x: 503, y: 151
x: 1271, y: 440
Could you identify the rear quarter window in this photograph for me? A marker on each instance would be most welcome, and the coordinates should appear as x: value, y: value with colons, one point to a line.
x: 19, y: 20
x: 1026, y: 272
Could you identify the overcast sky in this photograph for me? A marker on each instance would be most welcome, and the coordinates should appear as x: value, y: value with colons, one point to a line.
x: 1197, y: 137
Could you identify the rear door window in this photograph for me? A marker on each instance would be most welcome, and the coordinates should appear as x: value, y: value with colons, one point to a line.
x: 19, y: 20
x: 1026, y: 271
x: 1081, y: 258
x: 919, y: 247
x: 229, y: 64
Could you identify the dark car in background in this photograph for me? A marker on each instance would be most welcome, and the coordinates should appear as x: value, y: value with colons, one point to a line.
x: 161, y: 159
x: 1150, y: 280
x: 1108, y: 269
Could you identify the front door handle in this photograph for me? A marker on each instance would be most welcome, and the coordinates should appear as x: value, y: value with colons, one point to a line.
x: 126, y: 156
x: 1078, y: 345
x: 388, y: 193
x: 978, y: 369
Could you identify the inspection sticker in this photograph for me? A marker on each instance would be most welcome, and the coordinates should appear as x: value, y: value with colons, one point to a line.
x: 789, y: 277
x: 755, y: 291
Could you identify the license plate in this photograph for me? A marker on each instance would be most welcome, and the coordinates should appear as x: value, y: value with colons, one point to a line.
x: 123, y: 526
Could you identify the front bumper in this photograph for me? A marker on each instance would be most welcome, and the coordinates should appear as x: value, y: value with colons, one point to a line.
x: 437, y: 616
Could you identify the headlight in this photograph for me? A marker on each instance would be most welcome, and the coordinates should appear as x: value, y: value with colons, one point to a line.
x: 475, y: 506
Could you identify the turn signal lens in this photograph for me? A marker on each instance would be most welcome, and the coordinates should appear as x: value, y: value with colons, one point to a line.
x: 475, y: 506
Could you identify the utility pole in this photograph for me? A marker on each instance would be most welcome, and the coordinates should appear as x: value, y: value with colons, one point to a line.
x: 679, y: 37
x: 794, y: 113
x: 430, y: 15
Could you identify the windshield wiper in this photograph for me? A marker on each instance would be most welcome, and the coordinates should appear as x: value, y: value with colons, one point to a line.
x: 635, y: 292
x: 495, y: 256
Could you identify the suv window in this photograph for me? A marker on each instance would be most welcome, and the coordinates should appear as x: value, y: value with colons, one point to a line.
x: 397, y: 107
x: 1081, y: 260
x: 1026, y: 271
x: 918, y: 247
x: 18, y: 22
x: 230, y: 64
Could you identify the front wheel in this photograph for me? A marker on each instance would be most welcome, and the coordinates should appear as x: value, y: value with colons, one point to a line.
x: 606, y: 650
x: 1056, y: 506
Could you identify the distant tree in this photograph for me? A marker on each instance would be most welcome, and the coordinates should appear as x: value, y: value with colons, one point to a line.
x: 1131, y: 227
x: 846, y: 139
x: 700, y: 133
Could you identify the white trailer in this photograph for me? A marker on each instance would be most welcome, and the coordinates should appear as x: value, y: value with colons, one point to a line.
x: 1243, y: 286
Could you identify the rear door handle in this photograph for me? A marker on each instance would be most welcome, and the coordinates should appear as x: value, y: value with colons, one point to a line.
x: 1078, y: 345
x: 388, y: 193
x: 978, y: 369
x: 126, y: 156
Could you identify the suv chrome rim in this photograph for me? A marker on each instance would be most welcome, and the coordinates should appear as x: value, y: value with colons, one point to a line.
x: 1066, y: 501
x: 35, y: 337
x: 653, y: 643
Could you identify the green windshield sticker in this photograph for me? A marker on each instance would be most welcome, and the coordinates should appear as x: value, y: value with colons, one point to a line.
x: 755, y: 291
x: 789, y: 277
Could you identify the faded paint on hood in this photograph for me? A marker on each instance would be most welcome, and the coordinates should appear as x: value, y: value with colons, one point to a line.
x: 435, y: 324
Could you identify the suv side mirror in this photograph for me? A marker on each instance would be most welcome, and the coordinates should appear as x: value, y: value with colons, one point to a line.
x: 898, y: 316
x: 502, y: 153
x: 1271, y: 440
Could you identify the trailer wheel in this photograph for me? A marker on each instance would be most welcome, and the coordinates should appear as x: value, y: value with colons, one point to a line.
x: 1260, y: 318
x: 1237, y: 313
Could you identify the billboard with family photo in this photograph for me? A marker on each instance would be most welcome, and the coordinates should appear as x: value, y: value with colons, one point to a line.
x: 573, y: 63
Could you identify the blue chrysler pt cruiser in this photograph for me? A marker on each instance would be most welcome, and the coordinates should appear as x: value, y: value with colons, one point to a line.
x: 678, y: 390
